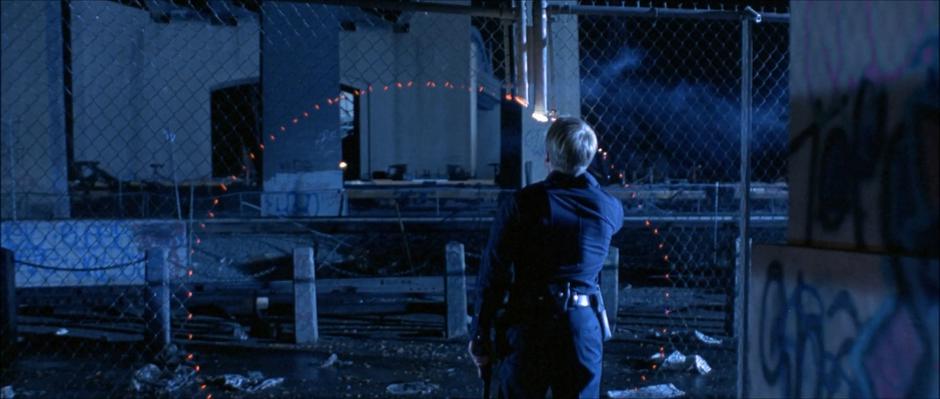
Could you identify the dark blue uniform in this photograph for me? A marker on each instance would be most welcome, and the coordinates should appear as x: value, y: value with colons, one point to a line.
x: 546, y: 246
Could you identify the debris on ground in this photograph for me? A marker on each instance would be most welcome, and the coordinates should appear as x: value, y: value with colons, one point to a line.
x: 7, y: 392
x: 145, y: 377
x: 654, y: 333
x: 706, y: 339
x: 412, y: 388
x: 333, y: 360
x: 152, y: 379
x: 649, y: 392
x: 254, y: 381
x: 677, y: 361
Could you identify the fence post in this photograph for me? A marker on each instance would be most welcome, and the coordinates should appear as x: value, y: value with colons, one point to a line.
x: 610, y: 286
x: 7, y: 307
x: 744, y: 256
x: 157, y: 315
x: 455, y: 291
x: 306, y: 330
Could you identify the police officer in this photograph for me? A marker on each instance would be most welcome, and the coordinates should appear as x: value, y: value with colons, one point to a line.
x: 545, y: 251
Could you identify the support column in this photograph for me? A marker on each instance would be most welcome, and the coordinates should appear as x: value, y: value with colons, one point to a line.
x: 455, y: 291
x: 157, y: 314
x: 306, y: 330
x: 610, y: 286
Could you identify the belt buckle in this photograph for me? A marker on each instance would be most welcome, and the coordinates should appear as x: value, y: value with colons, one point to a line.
x: 581, y: 300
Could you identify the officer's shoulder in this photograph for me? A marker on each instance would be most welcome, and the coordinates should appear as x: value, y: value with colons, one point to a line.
x: 530, y: 193
x: 608, y: 197
x: 532, y: 190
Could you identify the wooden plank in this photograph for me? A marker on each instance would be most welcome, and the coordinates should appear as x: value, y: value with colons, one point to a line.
x: 305, y: 297
x: 455, y: 288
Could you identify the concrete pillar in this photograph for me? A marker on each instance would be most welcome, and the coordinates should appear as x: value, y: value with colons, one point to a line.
x: 157, y: 312
x: 306, y: 330
x: 455, y: 291
x: 610, y: 286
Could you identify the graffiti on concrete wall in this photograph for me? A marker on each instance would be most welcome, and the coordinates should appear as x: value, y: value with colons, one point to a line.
x: 303, y: 194
x: 866, y: 126
x: 306, y: 203
x: 82, y: 245
x: 837, y: 324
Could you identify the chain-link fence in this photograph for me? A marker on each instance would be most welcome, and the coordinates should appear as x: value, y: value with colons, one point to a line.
x: 232, y: 132
x: 663, y: 89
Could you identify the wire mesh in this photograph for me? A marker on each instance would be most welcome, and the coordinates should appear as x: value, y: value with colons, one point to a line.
x: 664, y: 95
x: 129, y: 125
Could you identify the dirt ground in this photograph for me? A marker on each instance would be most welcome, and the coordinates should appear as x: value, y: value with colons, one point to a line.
x: 374, y: 364
x: 372, y: 352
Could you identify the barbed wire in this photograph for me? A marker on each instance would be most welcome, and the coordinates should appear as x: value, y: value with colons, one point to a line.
x: 84, y: 269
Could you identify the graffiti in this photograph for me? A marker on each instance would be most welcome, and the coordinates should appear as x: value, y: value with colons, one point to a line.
x: 850, y: 139
x: 320, y: 203
x: 88, y: 244
x: 820, y: 338
x: 799, y: 360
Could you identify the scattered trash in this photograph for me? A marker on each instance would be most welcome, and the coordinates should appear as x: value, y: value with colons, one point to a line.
x: 182, y: 376
x: 7, y: 392
x: 62, y: 331
x: 239, y: 332
x: 412, y: 388
x: 254, y: 381
x: 650, y: 392
x: 151, y: 379
x: 329, y: 361
x: 677, y: 361
x: 333, y: 360
x: 145, y: 378
x: 706, y: 339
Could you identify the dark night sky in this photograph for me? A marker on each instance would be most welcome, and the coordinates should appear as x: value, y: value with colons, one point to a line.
x: 665, y: 93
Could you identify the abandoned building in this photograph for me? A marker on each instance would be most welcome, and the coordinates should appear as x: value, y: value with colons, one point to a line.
x: 293, y: 198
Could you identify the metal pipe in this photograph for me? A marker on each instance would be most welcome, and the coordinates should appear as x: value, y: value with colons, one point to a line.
x: 440, y: 8
x: 540, y: 60
x: 521, y: 94
x: 654, y: 12
x: 744, y: 264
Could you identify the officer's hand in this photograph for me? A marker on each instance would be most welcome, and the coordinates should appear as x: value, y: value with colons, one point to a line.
x: 479, y: 355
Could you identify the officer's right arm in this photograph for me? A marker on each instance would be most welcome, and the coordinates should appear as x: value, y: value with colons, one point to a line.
x: 494, y: 277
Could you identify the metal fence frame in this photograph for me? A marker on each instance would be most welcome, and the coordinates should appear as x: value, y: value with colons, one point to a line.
x: 747, y: 17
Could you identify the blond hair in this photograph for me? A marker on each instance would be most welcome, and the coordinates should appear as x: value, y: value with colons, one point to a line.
x: 570, y: 144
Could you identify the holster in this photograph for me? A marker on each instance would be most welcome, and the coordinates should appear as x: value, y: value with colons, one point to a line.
x: 602, y: 317
x: 562, y: 295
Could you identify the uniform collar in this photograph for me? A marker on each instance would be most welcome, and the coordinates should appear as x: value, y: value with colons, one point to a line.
x: 564, y: 179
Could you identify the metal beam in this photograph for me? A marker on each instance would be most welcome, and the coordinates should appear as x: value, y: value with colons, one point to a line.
x: 655, y: 12
x: 440, y: 8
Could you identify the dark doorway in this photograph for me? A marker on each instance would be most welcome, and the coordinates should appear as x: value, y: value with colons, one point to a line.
x: 349, y: 123
x: 236, y: 136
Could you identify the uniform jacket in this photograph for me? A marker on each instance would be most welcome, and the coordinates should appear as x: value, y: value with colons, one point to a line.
x: 554, y: 231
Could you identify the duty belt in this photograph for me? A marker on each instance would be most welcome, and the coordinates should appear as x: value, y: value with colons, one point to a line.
x: 565, y: 296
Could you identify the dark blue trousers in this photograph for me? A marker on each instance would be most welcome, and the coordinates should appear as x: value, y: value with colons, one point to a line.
x: 546, y: 350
